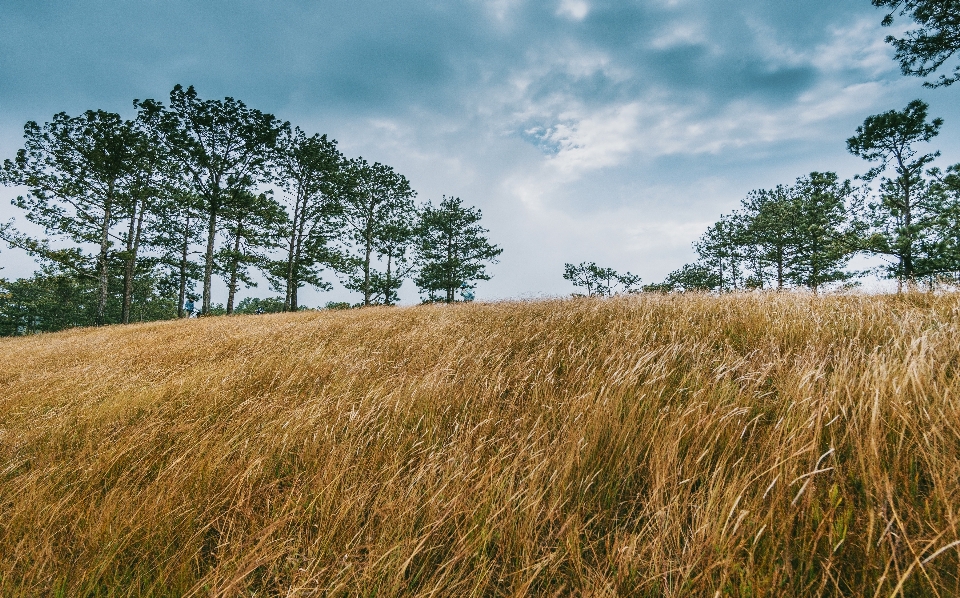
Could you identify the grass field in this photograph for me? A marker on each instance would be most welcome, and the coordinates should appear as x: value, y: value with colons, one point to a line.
x: 744, y: 445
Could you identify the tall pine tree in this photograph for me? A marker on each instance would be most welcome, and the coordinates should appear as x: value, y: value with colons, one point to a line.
x: 452, y: 249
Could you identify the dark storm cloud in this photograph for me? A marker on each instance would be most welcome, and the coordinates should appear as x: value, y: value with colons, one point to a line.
x: 358, y: 55
x: 381, y: 56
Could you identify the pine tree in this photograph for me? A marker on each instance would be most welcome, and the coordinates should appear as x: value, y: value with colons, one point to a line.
x: 900, y: 220
x: 80, y: 173
x: 252, y: 223
x: 452, y: 249
x: 824, y: 241
x: 720, y: 249
x: 922, y: 51
x: 599, y: 281
x: 374, y: 199
x: 309, y: 172
x: 772, y: 220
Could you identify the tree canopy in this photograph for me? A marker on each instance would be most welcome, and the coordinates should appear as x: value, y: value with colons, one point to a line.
x: 924, y: 50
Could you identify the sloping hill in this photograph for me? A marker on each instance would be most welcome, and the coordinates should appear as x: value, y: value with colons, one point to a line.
x: 751, y: 445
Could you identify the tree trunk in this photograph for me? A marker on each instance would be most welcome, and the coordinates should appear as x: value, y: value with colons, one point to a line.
x: 297, y: 257
x: 130, y: 268
x: 907, y: 222
x: 232, y: 289
x: 780, y: 269
x: 388, y: 290
x: 208, y: 259
x: 720, y: 262
x: 291, y: 256
x: 450, y: 274
x: 183, y: 267
x: 366, y: 275
x: 102, y: 258
x: 906, y: 258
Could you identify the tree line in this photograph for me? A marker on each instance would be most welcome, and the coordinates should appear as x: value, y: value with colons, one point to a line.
x: 146, y: 212
x: 904, y: 210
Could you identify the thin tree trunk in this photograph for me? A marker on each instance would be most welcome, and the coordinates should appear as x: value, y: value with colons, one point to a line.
x: 450, y: 275
x: 208, y: 260
x: 906, y: 260
x: 780, y: 270
x: 130, y: 269
x: 908, y: 255
x: 102, y: 259
x: 298, y: 255
x: 388, y: 291
x: 366, y: 275
x: 183, y: 267
x: 720, y: 262
x: 232, y: 289
x: 127, y: 267
x: 288, y: 300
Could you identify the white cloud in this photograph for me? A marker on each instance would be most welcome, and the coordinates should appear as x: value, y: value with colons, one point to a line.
x: 581, y: 137
x: 573, y: 9
x: 680, y: 33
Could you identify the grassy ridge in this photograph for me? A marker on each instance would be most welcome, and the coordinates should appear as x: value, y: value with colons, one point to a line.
x: 754, y: 445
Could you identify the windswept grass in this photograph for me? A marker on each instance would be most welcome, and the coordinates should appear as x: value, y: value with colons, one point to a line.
x: 748, y: 445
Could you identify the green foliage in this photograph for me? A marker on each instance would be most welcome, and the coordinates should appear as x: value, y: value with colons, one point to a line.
x: 177, y: 195
x: 798, y: 235
x: 452, y: 249
x: 922, y: 51
x: 691, y: 277
x: 900, y: 220
x: 942, y: 244
x: 253, y: 305
x: 375, y: 211
x: 309, y: 170
x: 55, y: 299
x: 889, y: 138
x: 251, y: 225
x: 337, y: 305
x: 82, y: 177
x: 720, y: 251
x: 824, y: 236
x: 222, y: 147
x: 602, y: 282
x: 46, y: 303
x: 772, y: 228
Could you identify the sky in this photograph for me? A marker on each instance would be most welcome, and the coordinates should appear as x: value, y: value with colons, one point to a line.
x: 610, y: 131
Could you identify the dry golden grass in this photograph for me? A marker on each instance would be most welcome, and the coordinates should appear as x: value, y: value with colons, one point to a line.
x: 746, y: 445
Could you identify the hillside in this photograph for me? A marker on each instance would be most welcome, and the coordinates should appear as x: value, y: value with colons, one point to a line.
x: 744, y: 445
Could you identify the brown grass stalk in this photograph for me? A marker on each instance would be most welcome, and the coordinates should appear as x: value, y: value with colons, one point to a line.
x: 744, y: 445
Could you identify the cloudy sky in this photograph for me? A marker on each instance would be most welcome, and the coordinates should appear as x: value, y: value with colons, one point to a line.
x: 612, y: 131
